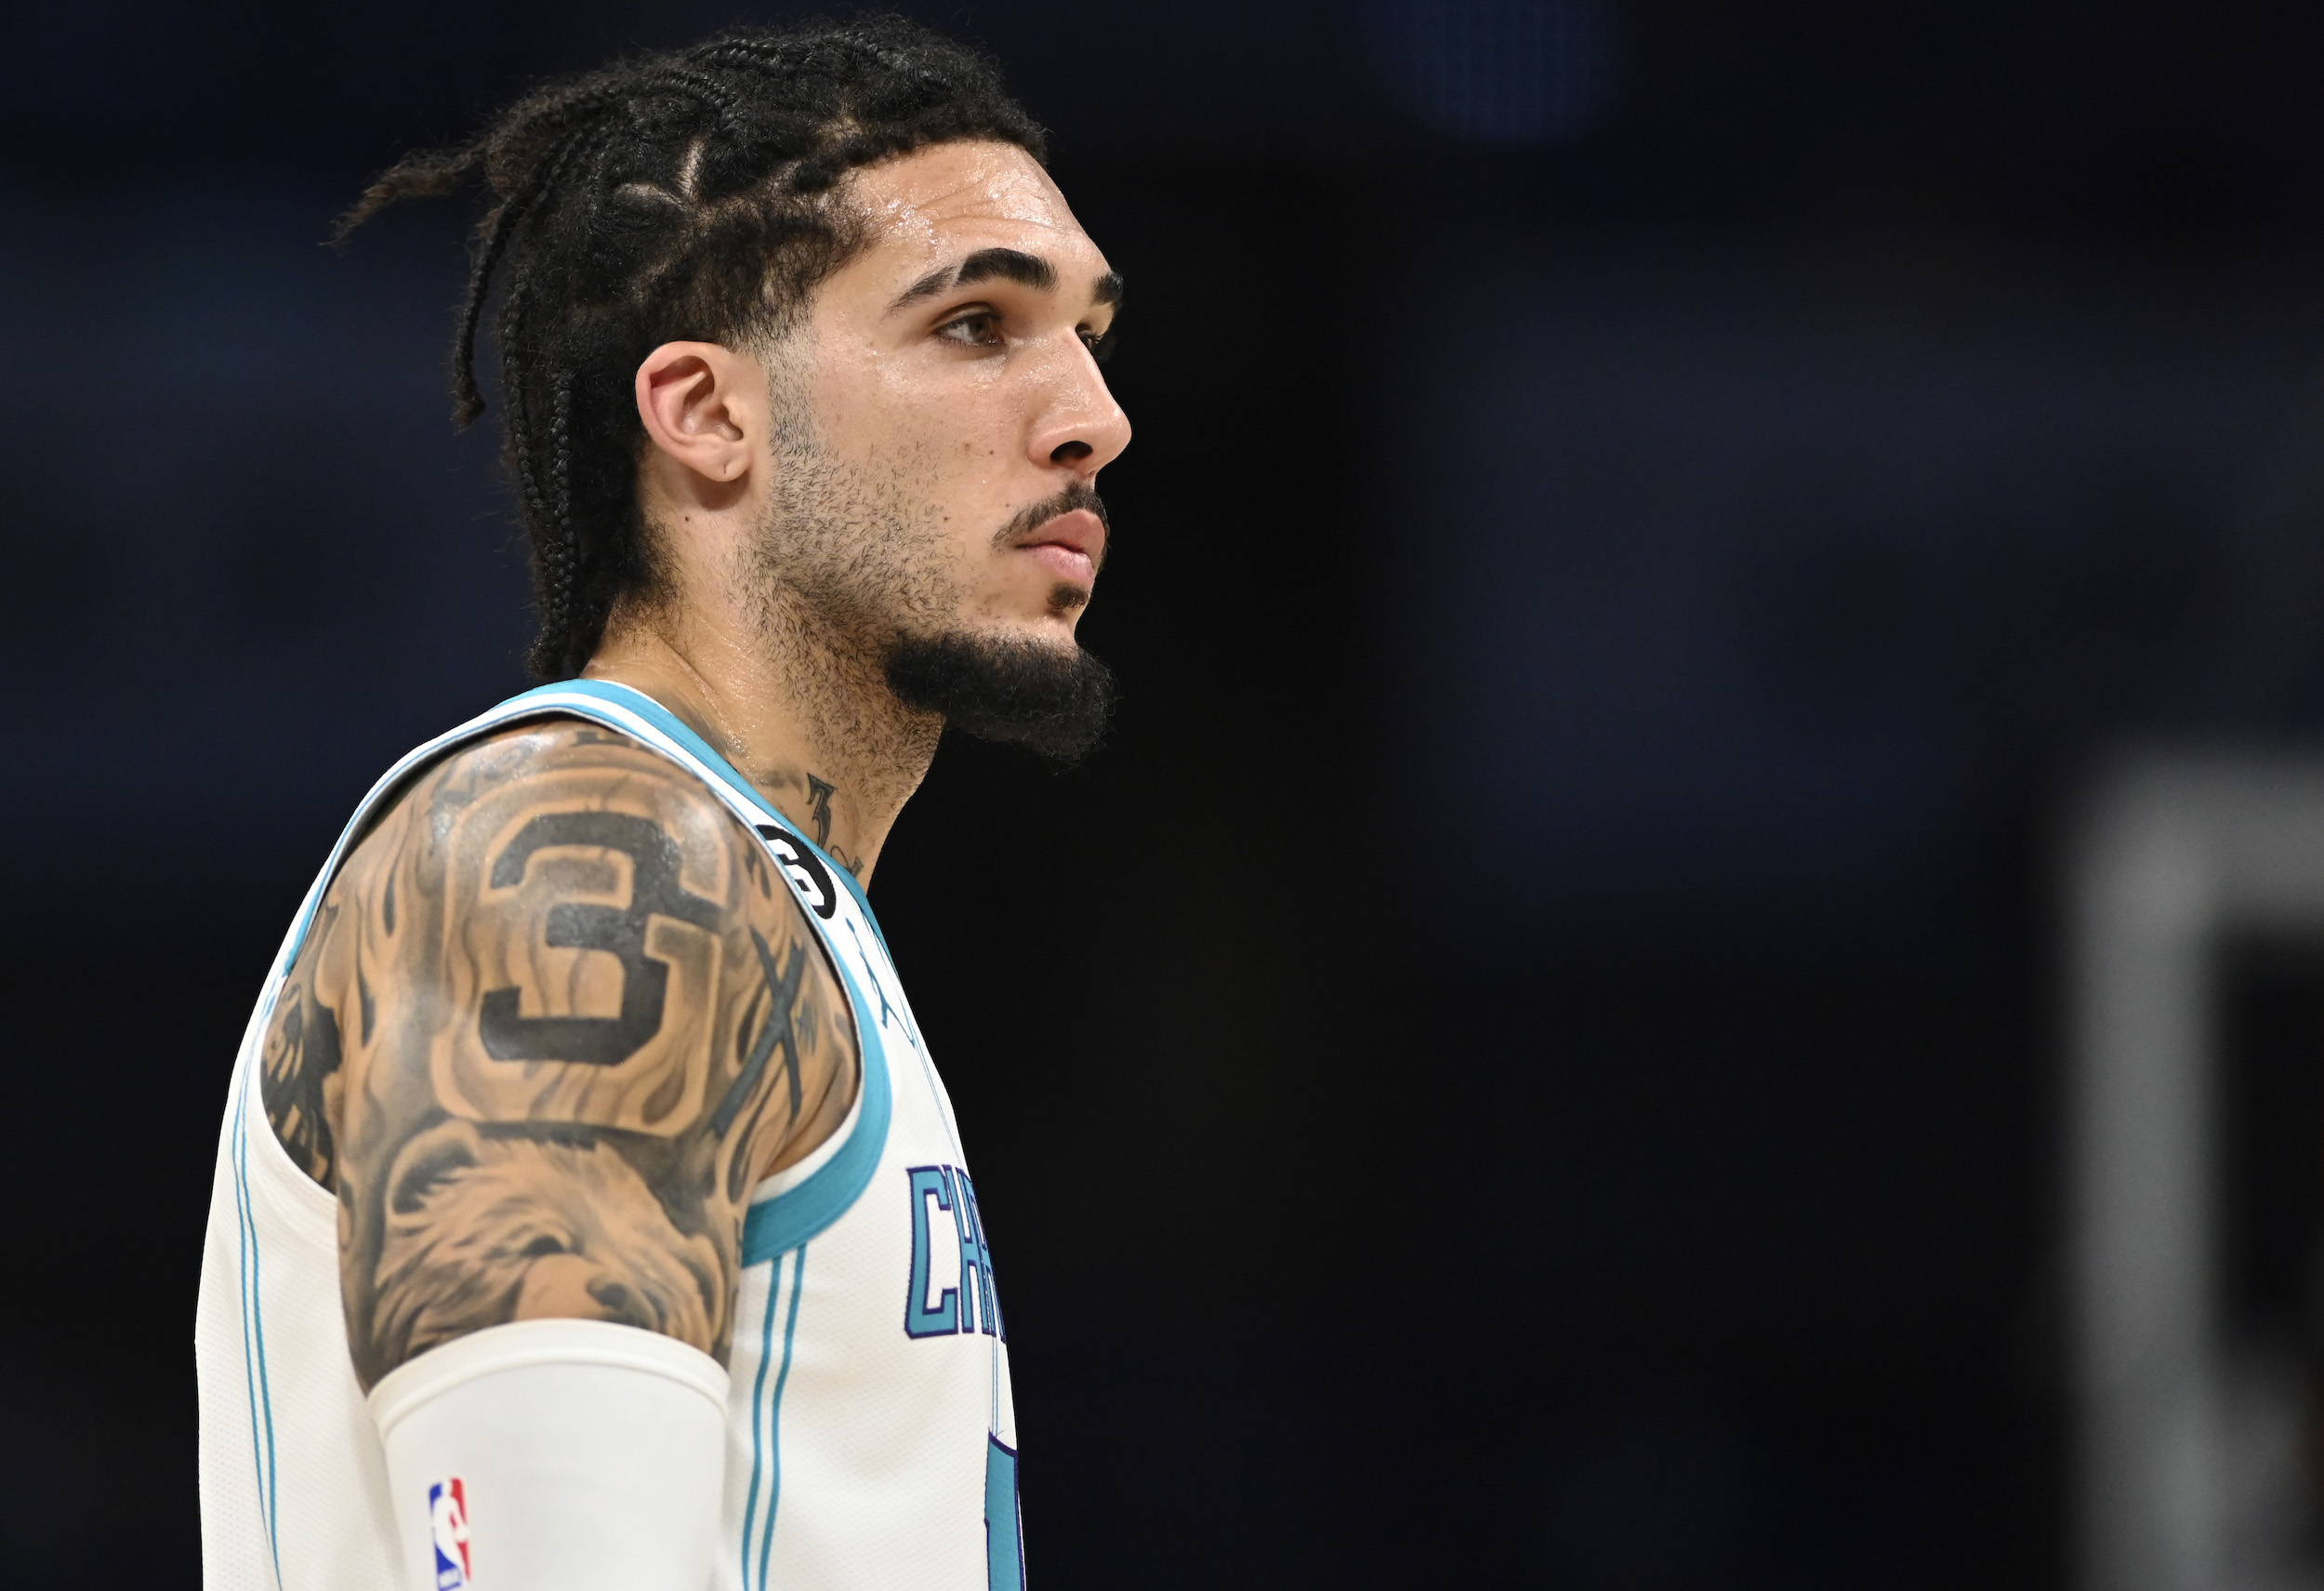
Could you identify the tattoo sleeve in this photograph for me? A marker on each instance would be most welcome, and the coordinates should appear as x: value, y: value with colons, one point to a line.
x: 555, y: 1018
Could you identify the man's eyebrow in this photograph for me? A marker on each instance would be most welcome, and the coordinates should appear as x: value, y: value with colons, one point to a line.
x: 1008, y: 265
x: 984, y: 265
x: 1108, y: 289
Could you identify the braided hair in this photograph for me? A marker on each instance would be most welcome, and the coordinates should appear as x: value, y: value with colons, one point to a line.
x: 687, y: 195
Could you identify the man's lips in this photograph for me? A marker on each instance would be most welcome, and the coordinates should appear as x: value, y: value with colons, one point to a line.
x: 1073, y: 545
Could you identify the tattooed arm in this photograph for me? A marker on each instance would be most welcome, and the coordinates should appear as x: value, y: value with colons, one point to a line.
x: 555, y: 1017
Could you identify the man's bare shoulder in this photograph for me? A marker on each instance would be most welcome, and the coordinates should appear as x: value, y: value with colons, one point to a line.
x: 558, y: 983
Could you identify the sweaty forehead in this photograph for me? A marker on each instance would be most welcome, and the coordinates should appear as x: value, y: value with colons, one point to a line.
x: 937, y: 204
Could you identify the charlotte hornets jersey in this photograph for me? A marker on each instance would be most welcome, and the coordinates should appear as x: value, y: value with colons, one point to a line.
x: 871, y: 1442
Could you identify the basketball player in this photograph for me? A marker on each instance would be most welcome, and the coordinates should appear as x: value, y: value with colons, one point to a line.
x: 588, y: 1212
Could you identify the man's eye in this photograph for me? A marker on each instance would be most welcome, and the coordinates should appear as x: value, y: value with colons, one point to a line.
x: 1100, y: 344
x: 981, y: 329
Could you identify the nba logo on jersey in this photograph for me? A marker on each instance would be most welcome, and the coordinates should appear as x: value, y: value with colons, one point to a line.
x: 447, y: 1525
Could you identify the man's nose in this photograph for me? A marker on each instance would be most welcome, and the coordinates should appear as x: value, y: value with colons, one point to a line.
x: 1085, y: 430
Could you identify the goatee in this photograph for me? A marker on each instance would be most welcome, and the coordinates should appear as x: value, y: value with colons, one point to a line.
x: 1048, y: 700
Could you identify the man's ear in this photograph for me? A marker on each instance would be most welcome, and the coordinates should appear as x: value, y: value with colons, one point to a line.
x: 705, y: 409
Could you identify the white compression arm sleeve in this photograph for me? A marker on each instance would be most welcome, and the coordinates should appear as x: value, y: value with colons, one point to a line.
x: 555, y: 1455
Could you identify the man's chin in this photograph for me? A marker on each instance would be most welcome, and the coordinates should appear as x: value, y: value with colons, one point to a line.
x: 1039, y: 691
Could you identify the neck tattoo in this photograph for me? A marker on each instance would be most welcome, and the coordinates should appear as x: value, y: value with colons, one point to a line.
x: 819, y: 799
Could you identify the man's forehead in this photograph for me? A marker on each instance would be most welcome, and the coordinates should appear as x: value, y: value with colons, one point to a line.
x: 940, y: 203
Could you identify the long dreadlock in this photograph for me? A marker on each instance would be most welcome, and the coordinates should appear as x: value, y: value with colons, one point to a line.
x: 683, y: 196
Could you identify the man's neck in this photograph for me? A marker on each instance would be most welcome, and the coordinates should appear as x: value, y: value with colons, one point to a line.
x: 812, y: 725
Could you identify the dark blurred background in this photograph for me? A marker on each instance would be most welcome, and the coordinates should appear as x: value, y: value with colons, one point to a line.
x: 1529, y: 1060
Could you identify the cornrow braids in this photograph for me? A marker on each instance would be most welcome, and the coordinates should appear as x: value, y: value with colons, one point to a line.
x: 686, y: 195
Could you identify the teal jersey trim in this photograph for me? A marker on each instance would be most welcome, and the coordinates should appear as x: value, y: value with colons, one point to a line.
x: 758, y: 1418
x: 1004, y: 1531
x: 775, y: 1417
x: 778, y: 1226
x: 766, y: 1420
x: 254, y: 1326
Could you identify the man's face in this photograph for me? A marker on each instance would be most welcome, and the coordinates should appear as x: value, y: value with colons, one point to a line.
x: 941, y: 419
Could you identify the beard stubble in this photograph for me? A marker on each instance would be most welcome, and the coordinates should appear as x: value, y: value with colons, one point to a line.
x: 850, y: 581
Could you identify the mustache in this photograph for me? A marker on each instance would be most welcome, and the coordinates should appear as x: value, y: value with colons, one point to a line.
x: 1079, y: 495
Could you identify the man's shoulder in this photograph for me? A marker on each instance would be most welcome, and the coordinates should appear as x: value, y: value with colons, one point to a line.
x: 545, y: 766
x: 552, y: 749
x: 559, y: 975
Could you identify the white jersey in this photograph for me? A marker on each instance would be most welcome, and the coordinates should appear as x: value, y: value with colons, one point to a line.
x: 870, y: 1439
